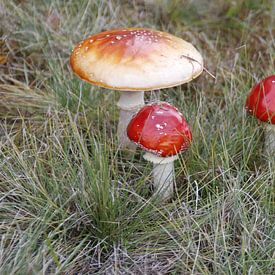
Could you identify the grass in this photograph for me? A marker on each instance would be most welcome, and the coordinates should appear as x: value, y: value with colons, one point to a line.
x: 71, y: 202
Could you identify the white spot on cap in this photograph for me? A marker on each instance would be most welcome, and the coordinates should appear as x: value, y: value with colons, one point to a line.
x: 118, y: 37
x: 91, y: 40
x: 159, y: 127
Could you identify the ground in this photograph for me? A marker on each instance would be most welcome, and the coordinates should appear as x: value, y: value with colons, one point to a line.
x: 72, y: 202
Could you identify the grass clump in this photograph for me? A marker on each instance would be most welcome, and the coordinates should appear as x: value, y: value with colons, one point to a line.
x: 72, y: 202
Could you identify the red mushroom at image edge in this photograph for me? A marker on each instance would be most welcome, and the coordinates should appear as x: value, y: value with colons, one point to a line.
x: 261, y: 103
x: 161, y: 130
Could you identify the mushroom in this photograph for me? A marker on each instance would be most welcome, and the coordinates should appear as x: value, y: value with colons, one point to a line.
x: 162, y: 131
x: 261, y: 103
x: 132, y: 61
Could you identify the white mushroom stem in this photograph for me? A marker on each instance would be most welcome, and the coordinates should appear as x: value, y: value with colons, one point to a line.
x: 269, y: 143
x: 163, y: 174
x: 129, y: 103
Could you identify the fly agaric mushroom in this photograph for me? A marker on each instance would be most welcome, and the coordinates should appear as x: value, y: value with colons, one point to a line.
x: 261, y: 103
x: 135, y: 60
x: 162, y: 131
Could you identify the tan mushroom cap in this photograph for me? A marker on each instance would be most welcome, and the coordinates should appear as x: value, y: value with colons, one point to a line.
x: 136, y: 59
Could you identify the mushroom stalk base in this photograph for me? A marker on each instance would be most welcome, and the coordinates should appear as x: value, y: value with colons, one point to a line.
x: 269, y: 143
x: 163, y: 174
x: 129, y: 103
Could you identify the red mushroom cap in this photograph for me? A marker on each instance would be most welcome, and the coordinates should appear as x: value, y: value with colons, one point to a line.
x: 261, y: 100
x: 160, y: 129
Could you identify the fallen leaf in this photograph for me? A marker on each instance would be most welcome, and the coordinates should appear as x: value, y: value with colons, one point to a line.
x: 3, y: 59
